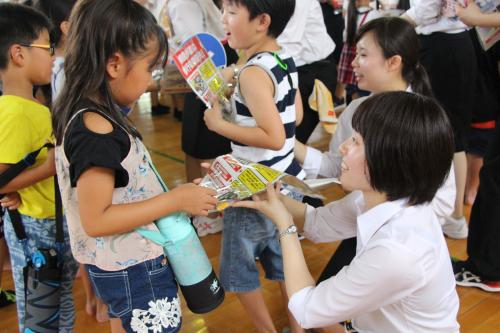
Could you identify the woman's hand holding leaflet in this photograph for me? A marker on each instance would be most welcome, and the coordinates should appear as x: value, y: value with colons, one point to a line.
x: 269, y: 204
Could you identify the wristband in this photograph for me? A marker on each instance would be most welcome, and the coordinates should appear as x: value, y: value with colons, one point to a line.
x: 292, y: 229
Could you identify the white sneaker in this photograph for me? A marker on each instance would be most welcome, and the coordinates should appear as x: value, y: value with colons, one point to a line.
x: 206, y: 225
x: 455, y: 228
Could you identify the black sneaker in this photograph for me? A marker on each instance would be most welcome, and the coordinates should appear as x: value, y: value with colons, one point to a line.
x: 7, y: 297
x: 465, y: 278
x: 458, y: 265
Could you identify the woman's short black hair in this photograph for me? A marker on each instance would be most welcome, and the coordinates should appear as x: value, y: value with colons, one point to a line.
x: 280, y: 12
x: 19, y: 24
x: 408, y: 144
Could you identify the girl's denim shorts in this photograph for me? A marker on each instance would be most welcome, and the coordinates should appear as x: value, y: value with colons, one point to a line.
x: 144, y: 296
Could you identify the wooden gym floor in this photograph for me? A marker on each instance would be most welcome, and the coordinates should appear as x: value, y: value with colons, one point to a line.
x: 479, y: 311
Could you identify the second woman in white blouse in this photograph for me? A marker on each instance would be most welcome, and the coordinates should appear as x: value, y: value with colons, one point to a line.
x: 401, y: 278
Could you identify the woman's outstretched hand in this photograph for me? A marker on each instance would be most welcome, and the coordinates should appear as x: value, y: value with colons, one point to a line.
x: 269, y: 204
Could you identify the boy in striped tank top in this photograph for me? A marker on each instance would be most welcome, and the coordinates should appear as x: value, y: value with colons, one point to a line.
x: 267, y: 106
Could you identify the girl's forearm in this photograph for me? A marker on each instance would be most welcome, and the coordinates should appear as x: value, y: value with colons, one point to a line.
x: 100, y: 217
x: 122, y: 218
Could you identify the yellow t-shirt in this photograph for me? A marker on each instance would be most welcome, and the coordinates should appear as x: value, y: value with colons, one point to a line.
x: 25, y: 126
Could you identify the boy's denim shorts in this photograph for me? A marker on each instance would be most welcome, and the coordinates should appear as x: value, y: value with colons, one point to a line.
x: 143, y: 296
x: 248, y: 234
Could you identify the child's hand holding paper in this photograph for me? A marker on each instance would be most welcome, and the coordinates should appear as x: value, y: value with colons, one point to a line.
x: 213, y: 116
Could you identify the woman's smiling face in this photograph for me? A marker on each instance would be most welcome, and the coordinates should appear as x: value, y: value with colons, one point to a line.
x: 354, y: 175
x: 369, y: 65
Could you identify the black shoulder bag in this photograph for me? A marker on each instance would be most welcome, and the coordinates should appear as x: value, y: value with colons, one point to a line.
x: 42, y: 273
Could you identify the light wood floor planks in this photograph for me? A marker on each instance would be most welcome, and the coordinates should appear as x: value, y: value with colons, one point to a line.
x: 479, y: 311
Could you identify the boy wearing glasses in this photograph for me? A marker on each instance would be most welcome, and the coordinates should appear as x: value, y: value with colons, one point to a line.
x: 26, y: 57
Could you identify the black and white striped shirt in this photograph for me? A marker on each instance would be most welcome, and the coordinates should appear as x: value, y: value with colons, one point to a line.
x: 285, y: 83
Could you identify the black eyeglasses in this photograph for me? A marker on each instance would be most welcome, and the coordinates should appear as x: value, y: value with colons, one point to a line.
x: 49, y: 47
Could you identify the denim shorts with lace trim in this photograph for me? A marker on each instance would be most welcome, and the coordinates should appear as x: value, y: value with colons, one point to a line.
x: 144, y: 296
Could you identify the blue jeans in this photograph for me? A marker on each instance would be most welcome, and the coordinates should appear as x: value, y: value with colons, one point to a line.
x: 248, y: 234
x: 41, y: 233
x: 144, y: 296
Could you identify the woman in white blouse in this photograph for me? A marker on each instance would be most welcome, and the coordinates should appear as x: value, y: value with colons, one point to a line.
x: 387, y: 60
x: 401, y: 278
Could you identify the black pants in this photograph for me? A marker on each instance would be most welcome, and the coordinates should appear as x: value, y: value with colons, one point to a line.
x: 197, y: 140
x: 450, y: 61
x: 326, y: 72
x: 335, y: 25
x: 342, y: 257
x: 483, y: 243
